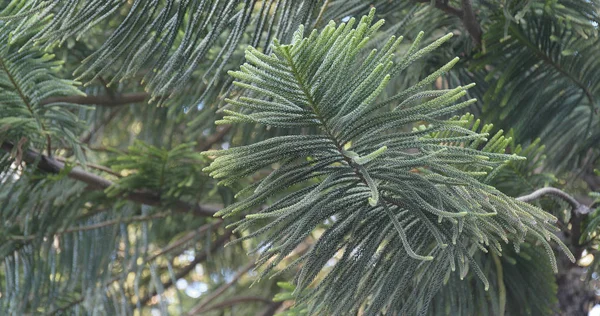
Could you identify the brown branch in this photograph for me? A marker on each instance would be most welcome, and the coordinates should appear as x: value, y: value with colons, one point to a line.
x: 444, y: 6
x: 95, y: 182
x: 465, y: 14
x: 101, y: 100
x: 470, y: 21
x: 271, y: 309
x: 200, y: 306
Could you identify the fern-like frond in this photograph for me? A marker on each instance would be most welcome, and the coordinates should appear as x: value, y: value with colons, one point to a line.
x: 175, y: 174
x: 403, y: 209
x: 541, y: 75
x: 28, y: 78
x: 165, y: 39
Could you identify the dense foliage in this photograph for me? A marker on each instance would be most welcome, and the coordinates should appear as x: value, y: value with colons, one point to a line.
x: 328, y: 144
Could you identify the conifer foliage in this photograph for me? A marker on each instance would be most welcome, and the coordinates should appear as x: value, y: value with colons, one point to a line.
x: 403, y: 209
x: 344, y: 168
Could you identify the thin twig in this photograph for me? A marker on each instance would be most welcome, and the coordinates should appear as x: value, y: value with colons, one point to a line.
x: 183, y: 240
x: 86, y: 139
x: 320, y: 16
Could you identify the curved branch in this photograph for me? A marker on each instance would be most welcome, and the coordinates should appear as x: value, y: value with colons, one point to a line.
x: 577, y: 208
x: 578, y: 212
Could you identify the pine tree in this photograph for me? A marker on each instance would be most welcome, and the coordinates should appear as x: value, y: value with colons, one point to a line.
x: 342, y: 172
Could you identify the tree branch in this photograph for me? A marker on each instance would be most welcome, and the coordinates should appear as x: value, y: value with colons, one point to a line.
x: 444, y: 6
x: 95, y: 182
x: 470, y: 21
x: 101, y: 100
x: 577, y: 208
x: 465, y: 14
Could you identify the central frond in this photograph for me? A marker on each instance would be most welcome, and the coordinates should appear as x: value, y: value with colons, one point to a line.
x: 397, y: 210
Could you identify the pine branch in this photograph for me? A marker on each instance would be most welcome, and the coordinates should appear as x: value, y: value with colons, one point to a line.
x: 419, y: 190
x: 27, y: 103
x: 95, y: 182
x: 548, y: 60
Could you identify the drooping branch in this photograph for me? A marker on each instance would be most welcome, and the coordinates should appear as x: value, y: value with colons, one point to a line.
x: 95, y: 182
x: 577, y: 208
